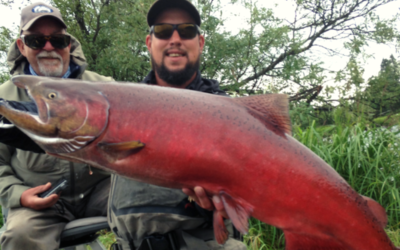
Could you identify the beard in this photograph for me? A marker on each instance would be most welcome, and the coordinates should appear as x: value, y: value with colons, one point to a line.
x: 53, y: 69
x: 176, y: 78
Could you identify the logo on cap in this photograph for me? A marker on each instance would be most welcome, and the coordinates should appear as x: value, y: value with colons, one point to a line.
x: 41, y: 9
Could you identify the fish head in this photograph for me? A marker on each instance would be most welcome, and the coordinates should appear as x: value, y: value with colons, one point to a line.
x: 71, y: 113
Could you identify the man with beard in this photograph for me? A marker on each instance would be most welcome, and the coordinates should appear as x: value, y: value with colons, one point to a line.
x: 145, y: 216
x: 45, y: 49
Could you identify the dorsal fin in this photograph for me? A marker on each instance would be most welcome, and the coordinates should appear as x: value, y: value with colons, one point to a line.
x: 271, y: 109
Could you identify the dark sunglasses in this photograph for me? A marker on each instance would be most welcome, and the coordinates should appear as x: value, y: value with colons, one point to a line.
x: 59, y: 41
x: 165, y: 30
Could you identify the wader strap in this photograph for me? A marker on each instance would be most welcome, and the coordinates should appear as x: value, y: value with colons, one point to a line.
x: 175, y: 240
x: 115, y: 246
x: 168, y: 241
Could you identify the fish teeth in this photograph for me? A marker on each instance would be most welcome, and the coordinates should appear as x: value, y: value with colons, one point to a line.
x: 5, y: 125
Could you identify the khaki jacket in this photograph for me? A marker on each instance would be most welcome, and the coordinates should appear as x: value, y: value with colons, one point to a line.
x: 21, y: 170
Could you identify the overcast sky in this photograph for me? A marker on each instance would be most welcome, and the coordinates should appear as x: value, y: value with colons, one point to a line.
x: 9, y: 17
x: 285, y: 9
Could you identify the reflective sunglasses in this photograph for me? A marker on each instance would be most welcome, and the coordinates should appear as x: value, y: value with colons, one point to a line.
x: 165, y: 30
x: 59, y: 41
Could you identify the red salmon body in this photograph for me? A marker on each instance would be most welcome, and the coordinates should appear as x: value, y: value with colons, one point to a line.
x: 239, y: 148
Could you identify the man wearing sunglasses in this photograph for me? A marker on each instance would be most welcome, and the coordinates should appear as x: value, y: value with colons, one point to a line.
x: 45, y: 49
x: 145, y: 216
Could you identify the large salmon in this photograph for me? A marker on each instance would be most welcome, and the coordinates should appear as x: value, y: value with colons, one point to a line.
x: 238, y: 148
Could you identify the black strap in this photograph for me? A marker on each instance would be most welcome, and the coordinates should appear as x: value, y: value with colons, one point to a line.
x: 168, y: 241
x: 116, y: 246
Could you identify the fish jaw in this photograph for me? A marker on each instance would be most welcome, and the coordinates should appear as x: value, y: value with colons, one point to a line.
x: 26, y: 121
x: 69, y: 118
x: 30, y: 124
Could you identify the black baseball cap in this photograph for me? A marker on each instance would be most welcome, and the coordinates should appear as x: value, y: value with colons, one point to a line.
x: 161, y: 5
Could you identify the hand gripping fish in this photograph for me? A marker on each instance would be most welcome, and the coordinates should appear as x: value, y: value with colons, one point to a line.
x: 238, y: 148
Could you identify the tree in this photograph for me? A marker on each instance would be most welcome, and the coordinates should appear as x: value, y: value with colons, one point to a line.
x: 278, y: 50
x: 7, y: 36
x: 112, y: 35
x: 383, y: 91
x: 6, y: 2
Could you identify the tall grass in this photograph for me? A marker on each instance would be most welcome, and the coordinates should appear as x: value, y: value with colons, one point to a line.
x: 367, y: 158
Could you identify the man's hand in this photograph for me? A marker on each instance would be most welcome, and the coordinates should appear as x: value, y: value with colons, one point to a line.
x: 30, y: 198
x: 199, y: 195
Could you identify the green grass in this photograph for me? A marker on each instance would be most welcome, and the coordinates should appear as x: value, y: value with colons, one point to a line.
x: 107, y: 238
x: 390, y: 120
x: 263, y: 236
x: 368, y: 159
x: 394, y: 235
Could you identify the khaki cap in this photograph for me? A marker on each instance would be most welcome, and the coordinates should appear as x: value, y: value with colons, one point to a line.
x: 35, y: 11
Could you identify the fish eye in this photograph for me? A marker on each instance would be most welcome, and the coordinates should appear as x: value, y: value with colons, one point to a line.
x: 52, y: 95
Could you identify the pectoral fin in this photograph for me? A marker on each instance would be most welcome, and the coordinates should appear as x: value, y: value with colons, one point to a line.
x: 220, y: 231
x: 117, y: 151
x: 238, y: 212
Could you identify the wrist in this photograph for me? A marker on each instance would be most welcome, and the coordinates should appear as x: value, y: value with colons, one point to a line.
x: 14, y: 200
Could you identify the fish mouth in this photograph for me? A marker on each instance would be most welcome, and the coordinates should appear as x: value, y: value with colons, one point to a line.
x: 37, y: 110
x: 31, y: 119
x: 24, y: 115
x: 64, y: 119
x: 34, y: 119
x: 26, y: 121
